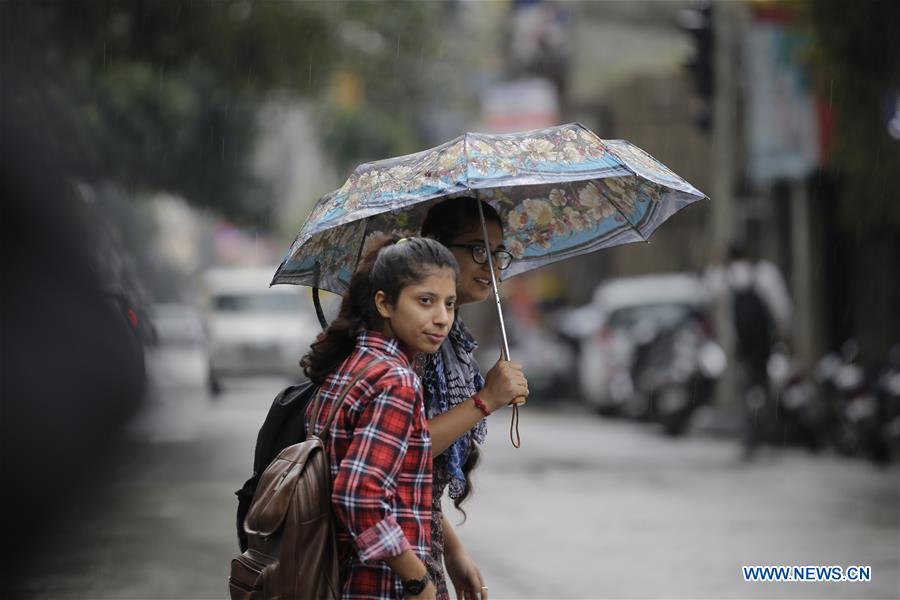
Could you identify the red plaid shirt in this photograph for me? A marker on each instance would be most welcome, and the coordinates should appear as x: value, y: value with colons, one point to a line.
x: 381, y: 463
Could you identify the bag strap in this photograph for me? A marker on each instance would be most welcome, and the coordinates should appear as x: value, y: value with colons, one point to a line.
x: 326, y: 429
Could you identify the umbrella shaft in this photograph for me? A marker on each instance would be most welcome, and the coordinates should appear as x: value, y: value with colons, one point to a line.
x: 490, y: 258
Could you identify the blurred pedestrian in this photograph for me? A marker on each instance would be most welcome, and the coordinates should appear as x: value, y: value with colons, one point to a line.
x: 457, y: 397
x: 761, y: 312
x: 400, y: 302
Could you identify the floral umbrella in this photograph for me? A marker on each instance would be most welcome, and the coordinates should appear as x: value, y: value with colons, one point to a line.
x: 560, y: 191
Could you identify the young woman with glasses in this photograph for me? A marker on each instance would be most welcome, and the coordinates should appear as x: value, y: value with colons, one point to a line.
x: 457, y: 397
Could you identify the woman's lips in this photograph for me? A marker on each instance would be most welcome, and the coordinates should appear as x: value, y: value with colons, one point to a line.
x: 436, y: 338
x: 483, y: 281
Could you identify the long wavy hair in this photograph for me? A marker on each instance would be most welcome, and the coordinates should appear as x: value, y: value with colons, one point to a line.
x: 389, y: 267
x: 445, y: 222
x: 472, y: 460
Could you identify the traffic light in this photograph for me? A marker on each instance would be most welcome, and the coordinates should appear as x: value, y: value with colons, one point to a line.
x: 698, y: 23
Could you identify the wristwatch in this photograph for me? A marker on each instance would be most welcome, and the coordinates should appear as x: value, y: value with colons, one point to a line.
x: 414, y: 587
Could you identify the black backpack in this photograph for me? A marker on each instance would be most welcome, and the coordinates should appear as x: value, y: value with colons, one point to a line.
x: 285, y: 425
x: 753, y: 323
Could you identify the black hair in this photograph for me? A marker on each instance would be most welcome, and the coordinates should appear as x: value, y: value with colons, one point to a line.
x: 447, y: 220
x: 471, y: 462
x: 389, y: 267
x: 737, y: 250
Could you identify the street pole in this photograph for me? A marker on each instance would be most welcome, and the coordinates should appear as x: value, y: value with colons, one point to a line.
x: 723, y: 167
x: 801, y: 274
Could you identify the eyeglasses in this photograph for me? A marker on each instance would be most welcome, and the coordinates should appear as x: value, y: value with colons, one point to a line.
x: 502, y: 258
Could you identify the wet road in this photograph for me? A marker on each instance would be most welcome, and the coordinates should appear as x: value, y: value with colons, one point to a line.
x: 587, y: 508
x: 590, y: 508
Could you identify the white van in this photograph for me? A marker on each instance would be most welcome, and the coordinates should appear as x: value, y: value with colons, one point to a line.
x: 254, y: 328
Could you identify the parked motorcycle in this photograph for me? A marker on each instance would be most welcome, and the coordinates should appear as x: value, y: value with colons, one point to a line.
x: 675, y: 369
x: 799, y: 413
x: 853, y: 420
x: 887, y: 392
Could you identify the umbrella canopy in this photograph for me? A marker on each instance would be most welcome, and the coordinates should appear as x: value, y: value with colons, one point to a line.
x: 560, y: 192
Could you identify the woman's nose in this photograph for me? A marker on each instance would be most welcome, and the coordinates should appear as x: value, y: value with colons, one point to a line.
x: 486, y: 269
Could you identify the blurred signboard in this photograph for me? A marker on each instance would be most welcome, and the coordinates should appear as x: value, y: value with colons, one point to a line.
x: 781, y: 125
x: 234, y: 246
x: 520, y: 105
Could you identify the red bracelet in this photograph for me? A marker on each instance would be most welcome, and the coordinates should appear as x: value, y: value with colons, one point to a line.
x: 479, y: 403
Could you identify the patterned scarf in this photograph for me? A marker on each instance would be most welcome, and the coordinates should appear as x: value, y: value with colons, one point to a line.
x: 451, y: 377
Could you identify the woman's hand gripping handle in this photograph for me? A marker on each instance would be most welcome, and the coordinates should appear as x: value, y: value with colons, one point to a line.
x: 504, y: 384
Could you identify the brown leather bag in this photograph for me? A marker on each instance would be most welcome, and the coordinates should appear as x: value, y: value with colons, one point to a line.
x: 292, y: 550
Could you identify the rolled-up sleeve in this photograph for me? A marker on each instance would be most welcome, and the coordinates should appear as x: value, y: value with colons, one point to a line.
x: 367, y: 476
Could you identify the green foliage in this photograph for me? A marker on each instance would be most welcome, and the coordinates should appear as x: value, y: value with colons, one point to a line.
x: 158, y: 95
x: 162, y: 95
x: 858, y: 51
x: 389, y: 49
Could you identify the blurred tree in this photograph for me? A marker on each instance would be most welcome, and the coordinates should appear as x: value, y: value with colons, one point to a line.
x: 163, y: 95
x: 859, y: 54
x: 375, y: 106
x: 157, y: 95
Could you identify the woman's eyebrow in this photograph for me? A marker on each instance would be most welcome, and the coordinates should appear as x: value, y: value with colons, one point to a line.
x: 480, y: 242
x: 427, y: 292
x: 435, y: 296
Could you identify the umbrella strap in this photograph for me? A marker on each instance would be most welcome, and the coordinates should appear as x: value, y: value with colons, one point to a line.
x: 319, y: 312
x: 514, y: 425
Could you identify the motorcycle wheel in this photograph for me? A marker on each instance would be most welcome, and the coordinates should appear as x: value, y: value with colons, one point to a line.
x: 673, y: 404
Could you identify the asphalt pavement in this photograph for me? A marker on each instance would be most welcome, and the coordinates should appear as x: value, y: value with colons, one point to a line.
x: 586, y: 508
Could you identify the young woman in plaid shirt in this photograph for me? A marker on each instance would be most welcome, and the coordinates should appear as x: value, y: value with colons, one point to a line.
x: 401, y: 302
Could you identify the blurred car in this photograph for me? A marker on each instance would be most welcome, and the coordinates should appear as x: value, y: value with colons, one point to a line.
x: 622, y: 313
x: 254, y: 328
x: 132, y: 314
x: 179, y: 357
x: 546, y: 359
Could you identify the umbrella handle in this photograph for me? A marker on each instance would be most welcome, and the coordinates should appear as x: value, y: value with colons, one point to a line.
x: 514, y: 435
x: 518, y: 399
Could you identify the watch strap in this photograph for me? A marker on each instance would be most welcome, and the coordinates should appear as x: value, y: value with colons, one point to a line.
x: 414, y: 587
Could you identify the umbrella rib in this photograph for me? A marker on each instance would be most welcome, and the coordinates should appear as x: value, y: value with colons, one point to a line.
x: 627, y: 220
x: 633, y: 174
x: 362, y: 242
x: 466, y: 155
x: 622, y: 161
x: 618, y: 210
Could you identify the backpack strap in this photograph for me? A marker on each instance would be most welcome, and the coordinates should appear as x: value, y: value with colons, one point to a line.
x: 326, y: 429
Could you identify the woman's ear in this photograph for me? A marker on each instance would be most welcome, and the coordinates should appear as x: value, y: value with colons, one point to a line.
x: 382, y: 305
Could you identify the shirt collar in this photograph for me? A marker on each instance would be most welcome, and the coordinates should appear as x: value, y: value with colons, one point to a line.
x: 380, y: 343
